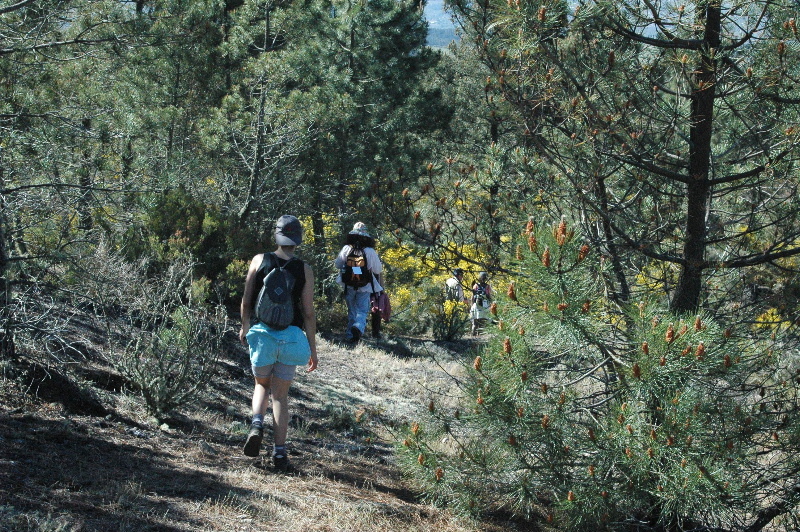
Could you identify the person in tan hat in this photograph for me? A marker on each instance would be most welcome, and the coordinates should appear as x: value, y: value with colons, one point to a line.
x: 277, y: 350
x: 360, y: 273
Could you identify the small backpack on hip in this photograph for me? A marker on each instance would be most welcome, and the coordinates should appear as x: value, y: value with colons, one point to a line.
x: 275, y: 306
x: 356, y: 272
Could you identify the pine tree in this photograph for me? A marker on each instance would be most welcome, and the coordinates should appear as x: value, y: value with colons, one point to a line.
x: 673, y: 127
x: 333, y: 96
x: 592, y: 414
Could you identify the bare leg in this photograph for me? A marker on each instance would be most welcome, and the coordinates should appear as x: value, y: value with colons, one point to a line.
x: 280, y: 409
x: 260, y: 395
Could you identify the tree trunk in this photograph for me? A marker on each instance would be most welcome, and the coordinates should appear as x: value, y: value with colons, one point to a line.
x: 85, y: 180
x: 320, y: 244
x: 620, y: 291
x: 6, y: 329
x: 258, y: 161
x: 698, y: 191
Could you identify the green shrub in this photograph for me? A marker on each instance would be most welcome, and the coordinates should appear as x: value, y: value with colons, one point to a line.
x: 170, y: 360
x: 449, y: 320
x: 331, y: 316
x: 230, y: 283
x: 172, y: 346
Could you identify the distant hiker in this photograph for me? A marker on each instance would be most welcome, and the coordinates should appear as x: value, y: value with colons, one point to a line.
x: 360, y: 273
x: 277, y: 285
x: 481, y: 300
x: 454, y: 291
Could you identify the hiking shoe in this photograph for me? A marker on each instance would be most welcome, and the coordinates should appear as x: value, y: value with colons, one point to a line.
x: 253, y: 444
x: 281, y: 462
x: 356, y: 334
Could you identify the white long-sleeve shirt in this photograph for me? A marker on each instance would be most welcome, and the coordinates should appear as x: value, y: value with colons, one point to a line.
x: 455, y: 287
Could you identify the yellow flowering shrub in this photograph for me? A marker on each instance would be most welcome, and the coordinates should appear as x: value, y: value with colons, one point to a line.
x: 450, y: 320
x: 772, y: 319
x: 416, y: 285
x: 652, y: 278
x: 402, y: 297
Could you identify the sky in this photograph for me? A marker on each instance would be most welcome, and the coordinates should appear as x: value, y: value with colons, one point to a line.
x: 435, y: 15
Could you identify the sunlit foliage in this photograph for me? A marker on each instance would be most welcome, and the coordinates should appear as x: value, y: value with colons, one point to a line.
x: 588, y: 413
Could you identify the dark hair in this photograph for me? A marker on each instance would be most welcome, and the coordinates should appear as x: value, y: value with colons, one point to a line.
x: 359, y: 241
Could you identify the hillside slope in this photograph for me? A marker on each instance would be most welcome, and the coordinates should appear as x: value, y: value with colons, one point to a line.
x: 62, y: 469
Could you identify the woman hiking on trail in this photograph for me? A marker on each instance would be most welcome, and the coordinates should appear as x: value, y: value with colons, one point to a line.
x: 277, y: 349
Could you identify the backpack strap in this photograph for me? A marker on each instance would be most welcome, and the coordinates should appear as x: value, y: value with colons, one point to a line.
x: 274, y: 262
x: 269, y: 256
x: 372, y: 282
x: 372, y: 274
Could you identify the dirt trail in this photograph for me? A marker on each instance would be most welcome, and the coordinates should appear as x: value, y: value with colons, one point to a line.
x: 65, y: 471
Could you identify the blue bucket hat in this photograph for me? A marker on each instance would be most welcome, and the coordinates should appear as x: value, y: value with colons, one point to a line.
x: 360, y: 228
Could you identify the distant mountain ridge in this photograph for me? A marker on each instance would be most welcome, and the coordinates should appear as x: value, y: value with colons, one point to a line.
x: 441, y: 30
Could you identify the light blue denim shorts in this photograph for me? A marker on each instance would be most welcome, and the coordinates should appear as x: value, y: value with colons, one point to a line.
x: 281, y: 349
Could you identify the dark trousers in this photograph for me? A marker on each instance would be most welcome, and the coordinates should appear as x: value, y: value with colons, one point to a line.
x: 376, y: 324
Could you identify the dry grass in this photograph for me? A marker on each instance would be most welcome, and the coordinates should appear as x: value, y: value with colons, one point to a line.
x: 61, y: 470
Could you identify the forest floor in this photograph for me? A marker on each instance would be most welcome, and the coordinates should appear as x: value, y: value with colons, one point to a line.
x: 105, y: 465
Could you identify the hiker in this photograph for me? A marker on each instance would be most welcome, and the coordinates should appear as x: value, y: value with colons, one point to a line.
x: 481, y: 300
x: 360, y: 273
x: 454, y: 291
x: 276, y: 352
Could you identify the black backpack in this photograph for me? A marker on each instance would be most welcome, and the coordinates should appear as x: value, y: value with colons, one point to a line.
x: 275, y: 304
x: 356, y: 272
x: 480, y: 298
